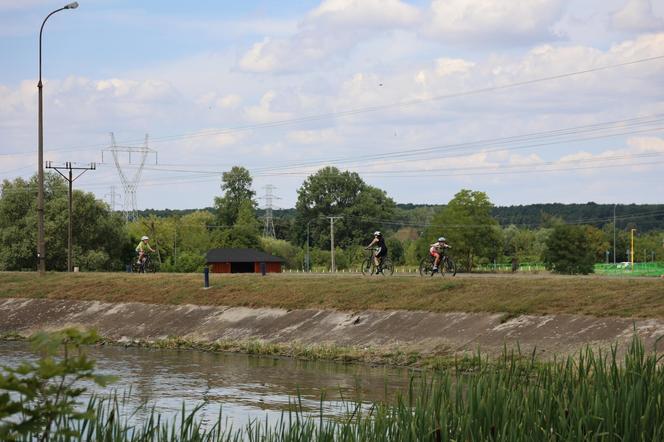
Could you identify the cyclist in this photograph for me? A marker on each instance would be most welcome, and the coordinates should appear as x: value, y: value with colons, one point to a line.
x: 436, y: 249
x: 141, y: 248
x: 381, y: 250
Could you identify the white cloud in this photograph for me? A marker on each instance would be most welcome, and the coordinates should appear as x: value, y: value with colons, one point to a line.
x: 448, y: 66
x: 334, y: 27
x: 263, y: 112
x: 637, y: 15
x: 646, y: 145
x: 323, y: 136
x: 494, y: 21
x: 231, y: 101
x: 263, y: 56
x: 524, y: 160
x: 365, y: 13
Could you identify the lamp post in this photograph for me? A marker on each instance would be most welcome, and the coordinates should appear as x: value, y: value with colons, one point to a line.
x: 41, y: 243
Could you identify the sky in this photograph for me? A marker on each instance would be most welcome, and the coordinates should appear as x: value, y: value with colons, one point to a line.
x: 530, y: 101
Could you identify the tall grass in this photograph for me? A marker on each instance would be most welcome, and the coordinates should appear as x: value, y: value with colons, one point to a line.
x: 598, y: 396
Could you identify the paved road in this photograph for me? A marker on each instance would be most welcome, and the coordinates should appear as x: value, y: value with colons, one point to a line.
x: 520, y: 275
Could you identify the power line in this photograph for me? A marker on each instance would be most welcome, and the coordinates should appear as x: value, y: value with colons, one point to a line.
x: 533, y: 136
x: 368, y: 109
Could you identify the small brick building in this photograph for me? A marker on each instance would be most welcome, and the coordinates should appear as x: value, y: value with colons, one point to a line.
x: 242, y: 261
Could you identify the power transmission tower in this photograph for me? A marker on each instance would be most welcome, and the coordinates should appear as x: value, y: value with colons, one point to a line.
x: 268, y: 229
x: 70, y: 179
x: 130, y: 183
x: 112, y: 195
x: 333, y: 266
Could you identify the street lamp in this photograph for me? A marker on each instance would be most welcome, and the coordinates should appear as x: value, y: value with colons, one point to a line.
x: 41, y: 243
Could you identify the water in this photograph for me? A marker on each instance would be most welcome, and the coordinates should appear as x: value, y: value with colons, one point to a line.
x: 246, y: 387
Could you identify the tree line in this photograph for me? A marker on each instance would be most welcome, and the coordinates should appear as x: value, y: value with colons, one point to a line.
x: 477, y: 230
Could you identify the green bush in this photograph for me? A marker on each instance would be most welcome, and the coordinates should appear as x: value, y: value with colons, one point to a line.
x: 37, y: 397
x: 569, y: 251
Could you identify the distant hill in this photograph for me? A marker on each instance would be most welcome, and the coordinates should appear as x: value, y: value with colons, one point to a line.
x: 644, y: 217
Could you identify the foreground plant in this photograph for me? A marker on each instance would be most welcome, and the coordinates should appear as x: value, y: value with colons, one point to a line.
x: 36, y: 398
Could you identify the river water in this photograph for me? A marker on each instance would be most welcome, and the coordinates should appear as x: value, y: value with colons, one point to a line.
x: 245, y: 387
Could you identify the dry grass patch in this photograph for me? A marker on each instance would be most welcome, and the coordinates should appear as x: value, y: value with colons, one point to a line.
x: 596, y: 296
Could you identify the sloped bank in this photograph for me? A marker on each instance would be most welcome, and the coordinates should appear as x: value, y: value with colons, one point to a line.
x: 370, y: 335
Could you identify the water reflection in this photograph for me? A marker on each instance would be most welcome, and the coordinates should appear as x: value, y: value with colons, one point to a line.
x: 245, y: 387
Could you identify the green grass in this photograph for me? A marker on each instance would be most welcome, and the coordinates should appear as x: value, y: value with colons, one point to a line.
x: 531, y: 294
x: 593, y: 396
x: 640, y: 269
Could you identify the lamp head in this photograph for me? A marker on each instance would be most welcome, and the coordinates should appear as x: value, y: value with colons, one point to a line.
x: 72, y: 5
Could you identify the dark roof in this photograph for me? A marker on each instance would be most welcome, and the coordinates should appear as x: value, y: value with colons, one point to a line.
x: 240, y: 255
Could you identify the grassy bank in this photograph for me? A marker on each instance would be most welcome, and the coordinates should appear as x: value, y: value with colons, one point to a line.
x: 513, y: 295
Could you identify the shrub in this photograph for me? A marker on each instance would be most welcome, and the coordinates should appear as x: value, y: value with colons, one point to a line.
x: 568, y: 250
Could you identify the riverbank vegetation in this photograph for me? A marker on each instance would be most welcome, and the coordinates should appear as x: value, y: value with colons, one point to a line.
x: 527, y: 294
x: 592, y: 396
x: 564, y: 238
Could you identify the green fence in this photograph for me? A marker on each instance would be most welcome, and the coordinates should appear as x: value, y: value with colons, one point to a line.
x: 625, y: 268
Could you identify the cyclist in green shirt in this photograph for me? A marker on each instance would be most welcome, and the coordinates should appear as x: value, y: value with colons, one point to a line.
x: 142, y: 247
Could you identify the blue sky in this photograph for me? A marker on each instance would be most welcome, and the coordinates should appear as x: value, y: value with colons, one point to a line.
x: 208, y: 80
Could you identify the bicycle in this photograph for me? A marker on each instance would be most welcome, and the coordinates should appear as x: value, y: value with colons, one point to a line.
x: 369, y: 266
x: 446, y: 265
x: 146, y: 266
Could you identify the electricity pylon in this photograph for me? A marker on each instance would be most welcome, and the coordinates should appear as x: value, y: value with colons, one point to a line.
x: 268, y: 228
x: 130, y: 183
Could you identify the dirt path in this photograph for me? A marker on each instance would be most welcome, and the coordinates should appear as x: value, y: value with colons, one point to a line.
x: 423, y: 332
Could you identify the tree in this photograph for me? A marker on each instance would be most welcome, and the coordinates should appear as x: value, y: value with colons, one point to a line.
x: 193, y: 232
x: 246, y: 231
x: 236, y: 185
x: 100, y: 240
x: 396, y: 251
x: 467, y: 224
x: 569, y: 250
x: 330, y: 192
x: 598, y: 243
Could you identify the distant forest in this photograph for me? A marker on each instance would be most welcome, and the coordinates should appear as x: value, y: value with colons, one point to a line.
x: 644, y: 217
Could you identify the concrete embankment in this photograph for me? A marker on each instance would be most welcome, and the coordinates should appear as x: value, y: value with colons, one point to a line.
x: 423, y: 332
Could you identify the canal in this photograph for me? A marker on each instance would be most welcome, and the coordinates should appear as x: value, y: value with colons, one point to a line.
x: 244, y: 387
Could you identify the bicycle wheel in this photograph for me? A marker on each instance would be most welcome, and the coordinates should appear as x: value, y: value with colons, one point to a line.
x: 388, y: 268
x: 368, y: 267
x: 426, y: 269
x: 450, y: 267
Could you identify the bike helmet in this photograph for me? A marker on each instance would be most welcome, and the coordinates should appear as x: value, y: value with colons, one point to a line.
x: 143, y: 238
x: 442, y: 239
x: 377, y: 233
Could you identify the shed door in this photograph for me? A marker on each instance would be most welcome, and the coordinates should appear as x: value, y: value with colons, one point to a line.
x: 242, y: 267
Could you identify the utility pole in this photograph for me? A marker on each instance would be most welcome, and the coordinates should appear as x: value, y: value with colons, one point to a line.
x: 333, y: 267
x: 631, y: 249
x: 69, y: 178
x: 175, y: 243
x: 614, y: 234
